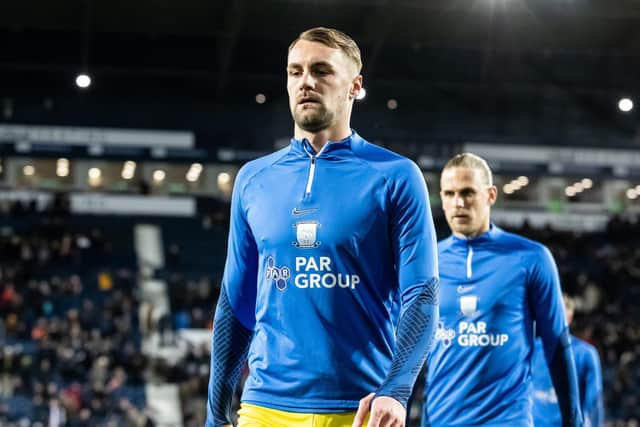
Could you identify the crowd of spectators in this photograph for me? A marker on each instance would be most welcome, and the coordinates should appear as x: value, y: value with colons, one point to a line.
x: 603, y: 271
x: 70, y: 336
x: 70, y: 352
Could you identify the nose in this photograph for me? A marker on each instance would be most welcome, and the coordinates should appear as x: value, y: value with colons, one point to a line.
x: 307, y: 81
x: 458, y: 201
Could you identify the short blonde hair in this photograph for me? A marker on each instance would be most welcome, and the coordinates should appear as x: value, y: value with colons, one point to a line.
x: 471, y: 161
x: 334, y: 39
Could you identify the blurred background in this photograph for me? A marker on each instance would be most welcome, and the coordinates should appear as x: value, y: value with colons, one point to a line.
x: 123, y: 124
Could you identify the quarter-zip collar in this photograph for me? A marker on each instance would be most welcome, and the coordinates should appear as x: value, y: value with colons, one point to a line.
x: 331, y: 151
x: 485, y: 237
x: 337, y: 149
x: 469, y: 245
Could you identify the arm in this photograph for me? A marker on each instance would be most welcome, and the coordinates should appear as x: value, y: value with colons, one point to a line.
x: 564, y: 377
x: 230, y: 346
x: 551, y: 326
x: 235, y: 314
x: 416, y: 328
x: 592, y: 406
x: 415, y: 256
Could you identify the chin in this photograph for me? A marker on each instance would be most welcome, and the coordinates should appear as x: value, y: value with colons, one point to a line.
x: 462, y: 230
x: 312, y: 122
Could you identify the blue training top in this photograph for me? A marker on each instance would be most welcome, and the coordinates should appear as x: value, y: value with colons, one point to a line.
x: 546, y: 412
x: 325, y: 252
x: 493, y: 288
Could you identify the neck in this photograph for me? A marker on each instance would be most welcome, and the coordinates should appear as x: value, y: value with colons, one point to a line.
x: 319, y: 139
x: 473, y: 234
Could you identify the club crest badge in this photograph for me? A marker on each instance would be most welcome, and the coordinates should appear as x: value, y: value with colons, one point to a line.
x: 469, y: 304
x: 306, y: 234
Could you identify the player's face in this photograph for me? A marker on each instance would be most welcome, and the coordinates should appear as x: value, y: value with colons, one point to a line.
x: 321, y: 83
x: 466, y: 201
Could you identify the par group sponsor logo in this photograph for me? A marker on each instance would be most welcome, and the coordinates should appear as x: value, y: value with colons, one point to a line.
x: 317, y: 272
x: 309, y: 273
x: 445, y: 335
x: 469, y: 334
x: 474, y: 334
x: 279, y: 275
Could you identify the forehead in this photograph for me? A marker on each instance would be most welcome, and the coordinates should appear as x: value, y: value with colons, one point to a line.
x: 306, y: 52
x: 460, y: 177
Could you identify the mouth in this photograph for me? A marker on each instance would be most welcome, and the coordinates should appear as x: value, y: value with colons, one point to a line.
x: 307, y: 101
x: 462, y: 217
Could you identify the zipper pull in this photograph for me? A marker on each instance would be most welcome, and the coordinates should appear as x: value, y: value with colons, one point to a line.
x: 312, y: 172
x: 469, y: 260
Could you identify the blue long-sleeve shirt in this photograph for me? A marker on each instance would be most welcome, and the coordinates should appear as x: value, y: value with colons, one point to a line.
x: 497, y: 291
x: 326, y: 253
x: 546, y: 412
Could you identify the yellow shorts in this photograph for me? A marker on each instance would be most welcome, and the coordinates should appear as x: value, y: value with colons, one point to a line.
x: 259, y: 416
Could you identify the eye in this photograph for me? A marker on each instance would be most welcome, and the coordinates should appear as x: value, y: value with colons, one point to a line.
x: 322, y: 70
x: 293, y: 73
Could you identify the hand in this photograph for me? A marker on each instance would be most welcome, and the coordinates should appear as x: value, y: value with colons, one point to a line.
x: 363, y: 410
x: 385, y: 412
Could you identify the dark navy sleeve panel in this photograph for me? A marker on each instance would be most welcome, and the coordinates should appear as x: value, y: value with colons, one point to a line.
x: 241, y: 266
x: 564, y: 376
x: 416, y: 329
x: 229, y: 348
x: 590, y: 380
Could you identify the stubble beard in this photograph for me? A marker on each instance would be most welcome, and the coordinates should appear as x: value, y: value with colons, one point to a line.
x: 465, y: 229
x: 314, y: 121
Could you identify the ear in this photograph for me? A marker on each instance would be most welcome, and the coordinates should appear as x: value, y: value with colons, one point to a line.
x: 493, y: 195
x: 356, y: 86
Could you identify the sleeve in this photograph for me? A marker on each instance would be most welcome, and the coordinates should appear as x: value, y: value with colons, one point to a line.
x: 241, y: 267
x: 235, y: 314
x: 551, y: 326
x: 592, y: 406
x: 229, y: 348
x: 415, y: 256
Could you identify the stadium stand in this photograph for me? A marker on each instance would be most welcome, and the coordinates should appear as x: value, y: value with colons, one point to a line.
x: 72, y: 322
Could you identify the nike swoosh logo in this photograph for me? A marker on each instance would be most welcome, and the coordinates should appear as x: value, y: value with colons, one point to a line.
x: 296, y: 211
x: 462, y: 289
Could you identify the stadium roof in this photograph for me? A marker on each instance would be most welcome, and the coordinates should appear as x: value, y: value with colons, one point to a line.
x: 149, y: 42
x: 557, y: 65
